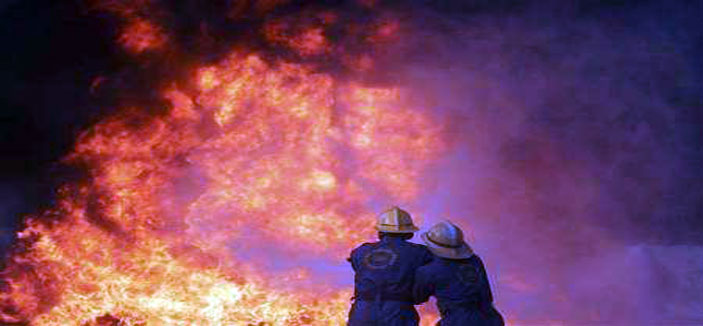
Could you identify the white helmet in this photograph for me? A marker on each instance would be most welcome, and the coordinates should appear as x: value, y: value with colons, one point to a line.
x: 395, y: 220
x: 446, y: 240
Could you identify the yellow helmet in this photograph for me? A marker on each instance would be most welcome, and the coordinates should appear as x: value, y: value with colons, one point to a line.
x: 395, y: 220
x: 446, y: 240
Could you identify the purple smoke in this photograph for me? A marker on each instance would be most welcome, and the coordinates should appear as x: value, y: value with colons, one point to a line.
x: 574, y: 170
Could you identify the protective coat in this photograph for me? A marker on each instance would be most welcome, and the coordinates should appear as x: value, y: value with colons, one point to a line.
x: 462, y: 291
x: 383, y: 282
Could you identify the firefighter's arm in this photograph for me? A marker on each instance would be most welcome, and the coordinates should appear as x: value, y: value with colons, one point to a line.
x: 422, y: 289
x: 486, y: 295
x: 427, y: 257
x: 486, y: 303
x: 352, y: 259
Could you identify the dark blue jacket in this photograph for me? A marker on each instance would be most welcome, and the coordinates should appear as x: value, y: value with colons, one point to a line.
x: 383, y: 282
x: 462, y: 291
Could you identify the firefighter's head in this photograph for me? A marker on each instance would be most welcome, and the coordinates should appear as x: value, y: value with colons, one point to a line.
x: 446, y: 240
x: 404, y: 236
x: 395, y: 222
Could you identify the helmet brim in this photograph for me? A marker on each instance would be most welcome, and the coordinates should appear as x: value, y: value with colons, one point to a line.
x: 461, y: 252
x: 397, y: 229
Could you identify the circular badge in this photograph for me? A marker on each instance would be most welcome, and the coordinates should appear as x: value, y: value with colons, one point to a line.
x: 380, y: 258
x: 467, y: 274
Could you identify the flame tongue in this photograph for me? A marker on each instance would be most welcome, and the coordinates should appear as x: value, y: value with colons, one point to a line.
x: 275, y: 159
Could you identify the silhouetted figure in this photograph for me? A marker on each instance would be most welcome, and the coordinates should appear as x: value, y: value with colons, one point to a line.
x: 457, y: 278
x: 384, y: 274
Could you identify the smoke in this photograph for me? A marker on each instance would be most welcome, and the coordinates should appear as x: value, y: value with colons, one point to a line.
x: 573, y: 161
x: 574, y: 146
x: 9, y: 203
x: 574, y: 132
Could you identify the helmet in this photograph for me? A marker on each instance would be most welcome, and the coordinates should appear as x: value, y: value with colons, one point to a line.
x: 446, y: 240
x: 395, y: 220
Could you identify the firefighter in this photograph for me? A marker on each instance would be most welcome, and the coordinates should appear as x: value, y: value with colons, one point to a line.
x: 384, y: 273
x: 457, y: 279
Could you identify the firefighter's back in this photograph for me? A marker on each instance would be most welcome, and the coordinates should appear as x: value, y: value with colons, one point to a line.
x: 385, y: 272
x: 384, y: 278
x: 462, y: 291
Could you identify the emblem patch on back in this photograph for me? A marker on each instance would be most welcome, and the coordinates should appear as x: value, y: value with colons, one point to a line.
x: 380, y: 258
x: 467, y: 274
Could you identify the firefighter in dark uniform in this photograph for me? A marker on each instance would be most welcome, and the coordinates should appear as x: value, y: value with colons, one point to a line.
x: 457, y: 279
x: 384, y: 273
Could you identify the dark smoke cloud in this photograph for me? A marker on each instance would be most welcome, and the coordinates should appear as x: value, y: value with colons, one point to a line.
x: 9, y: 205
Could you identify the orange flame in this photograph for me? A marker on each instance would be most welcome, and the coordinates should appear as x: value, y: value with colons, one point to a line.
x: 141, y: 35
x: 252, y: 157
x: 306, y: 42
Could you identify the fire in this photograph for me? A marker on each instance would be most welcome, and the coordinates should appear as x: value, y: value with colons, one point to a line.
x: 183, y: 212
x: 307, y: 42
x: 141, y: 35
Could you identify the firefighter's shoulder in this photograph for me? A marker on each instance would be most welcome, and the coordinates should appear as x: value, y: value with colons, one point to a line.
x: 363, y: 247
x: 419, y: 247
x: 431, y: 268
